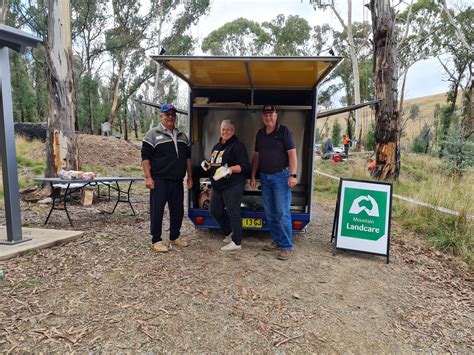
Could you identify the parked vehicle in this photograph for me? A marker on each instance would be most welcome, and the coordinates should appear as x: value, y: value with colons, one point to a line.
x: 318, y: 148
x: 236, y: 88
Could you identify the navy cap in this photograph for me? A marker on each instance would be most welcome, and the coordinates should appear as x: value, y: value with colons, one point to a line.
x: 269, y: 108
x: 167, y: 107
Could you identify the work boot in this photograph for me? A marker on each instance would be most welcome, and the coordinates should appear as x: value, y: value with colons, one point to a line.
x: 231, y: 247
x: 160, y: 247
x: 228, y: 238
x: 180, y: 242
x: 271, y: 247
x: 284, y: 254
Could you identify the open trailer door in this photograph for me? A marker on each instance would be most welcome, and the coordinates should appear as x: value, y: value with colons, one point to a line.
x: 236, y: 88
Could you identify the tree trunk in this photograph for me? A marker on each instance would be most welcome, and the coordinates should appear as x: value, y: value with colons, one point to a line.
x: 115, y: 96
x: 355, y: 70
x: 3, y: 11
x: 61, y: 137
x: 387, y: 117
x: 158, y: 95
x: 125, y: 122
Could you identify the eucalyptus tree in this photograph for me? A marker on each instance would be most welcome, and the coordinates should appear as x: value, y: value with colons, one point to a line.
x: 282, y: 36
x: 457, y: 42
x: 136, y: 31
x: 122, y: 40
x: 347, y: 26
x: 345, y: 73
x: 173, y: 20
x: 387, y: 117
x: 89, y: 22
x: 22, y: 92
x: 288, y: 36
x: 416, y: 28
x: 240, y: 37
x: 28, y: 71
x: 61, y: 143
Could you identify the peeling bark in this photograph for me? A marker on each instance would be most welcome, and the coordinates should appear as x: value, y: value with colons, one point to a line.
x: 61, y: 144
x: 387, y: 117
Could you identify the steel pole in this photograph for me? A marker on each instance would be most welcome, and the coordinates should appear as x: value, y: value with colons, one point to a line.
x: 8, y: 155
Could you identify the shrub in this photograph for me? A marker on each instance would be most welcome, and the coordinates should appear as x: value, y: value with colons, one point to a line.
x: 421, y: 144
x: 370, y: 139
x: 458, y: 152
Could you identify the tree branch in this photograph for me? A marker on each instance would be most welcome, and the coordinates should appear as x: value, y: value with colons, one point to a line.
x: 459, y: 33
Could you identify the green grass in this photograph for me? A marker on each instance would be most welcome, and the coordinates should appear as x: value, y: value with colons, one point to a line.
x: 29, y: 283
x: 96, y: 168
x: 23, y: 161
x: 133, y: 169
x: 421, y: 179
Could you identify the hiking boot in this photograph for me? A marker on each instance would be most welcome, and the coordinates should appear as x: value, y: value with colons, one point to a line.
x: 231, y: 247
x: 160, y: 247
x: 228, y: 238
x: 284, y: 254
x: 271, y: 247
x: 180, y: 242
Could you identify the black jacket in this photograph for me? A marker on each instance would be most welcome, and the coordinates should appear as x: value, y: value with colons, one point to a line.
x: 166, y: 163
x: 231, y: 153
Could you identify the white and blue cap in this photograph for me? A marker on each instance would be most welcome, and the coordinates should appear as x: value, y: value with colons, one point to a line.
x: 167, y: 107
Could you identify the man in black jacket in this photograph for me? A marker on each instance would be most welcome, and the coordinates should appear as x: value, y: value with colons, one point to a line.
x: 166, y: 157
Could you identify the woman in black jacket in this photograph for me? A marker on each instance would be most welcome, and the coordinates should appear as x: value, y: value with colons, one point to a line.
x: 229, y: 165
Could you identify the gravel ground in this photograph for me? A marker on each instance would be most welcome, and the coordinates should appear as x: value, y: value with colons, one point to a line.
x: 109, y: 291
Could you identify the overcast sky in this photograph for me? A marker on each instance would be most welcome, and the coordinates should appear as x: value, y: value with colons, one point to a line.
x: 424, y: 78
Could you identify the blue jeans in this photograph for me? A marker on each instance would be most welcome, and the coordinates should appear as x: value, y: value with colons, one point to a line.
x: 276, y: 202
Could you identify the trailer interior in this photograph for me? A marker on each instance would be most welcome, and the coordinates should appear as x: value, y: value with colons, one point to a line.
x: 236, y: 88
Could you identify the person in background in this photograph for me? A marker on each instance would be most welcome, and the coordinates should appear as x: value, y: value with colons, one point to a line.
x: 328, y: 148
x: 275, y: 158
x: 347, y: 141
x: 229, y: 165
x: 166, y: 158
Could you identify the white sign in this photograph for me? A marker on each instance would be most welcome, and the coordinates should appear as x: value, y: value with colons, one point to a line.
x: 363, y: 216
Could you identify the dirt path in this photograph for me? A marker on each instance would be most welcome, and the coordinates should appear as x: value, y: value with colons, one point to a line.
x: 108, y: 291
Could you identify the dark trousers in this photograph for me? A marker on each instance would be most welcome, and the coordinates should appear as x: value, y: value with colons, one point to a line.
x: 170, y: 191
x: 225, y: 208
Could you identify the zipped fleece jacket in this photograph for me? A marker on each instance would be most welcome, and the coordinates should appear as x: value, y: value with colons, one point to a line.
x: 232, y: 152
x: 166, y: 163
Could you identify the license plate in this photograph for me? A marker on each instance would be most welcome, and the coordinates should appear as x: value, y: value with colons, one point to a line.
x: 252, y: 222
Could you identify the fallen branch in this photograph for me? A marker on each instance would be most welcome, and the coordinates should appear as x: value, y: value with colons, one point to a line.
x: 287, y: 340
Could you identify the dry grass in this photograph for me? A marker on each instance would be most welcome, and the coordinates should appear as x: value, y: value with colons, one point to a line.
x: 426, y: 104
x: 421, y: 179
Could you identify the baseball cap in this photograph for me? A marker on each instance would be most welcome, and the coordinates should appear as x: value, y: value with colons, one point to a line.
x: 269, y: 108
x: 167, y: 107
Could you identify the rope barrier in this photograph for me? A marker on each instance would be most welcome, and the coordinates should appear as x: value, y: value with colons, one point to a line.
x: 407, y: 199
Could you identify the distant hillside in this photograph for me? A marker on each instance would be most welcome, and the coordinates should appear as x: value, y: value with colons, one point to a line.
x: 426, y: 105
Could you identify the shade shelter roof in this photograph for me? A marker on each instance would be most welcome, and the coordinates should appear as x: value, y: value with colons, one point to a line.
x: 250, y: 72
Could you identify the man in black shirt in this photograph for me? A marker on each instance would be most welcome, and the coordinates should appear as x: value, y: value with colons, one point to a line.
x: 166, y: 157
x: 275, y: 158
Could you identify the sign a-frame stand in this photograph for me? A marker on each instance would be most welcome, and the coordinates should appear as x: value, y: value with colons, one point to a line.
x: 363, y: 217
x: 18, y: 41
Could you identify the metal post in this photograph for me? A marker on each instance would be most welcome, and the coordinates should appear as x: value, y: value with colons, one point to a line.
x: 8, y: 154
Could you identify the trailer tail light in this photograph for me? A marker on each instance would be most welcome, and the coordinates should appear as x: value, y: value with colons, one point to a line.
x: 199, y: 220
x: 297, y: 225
